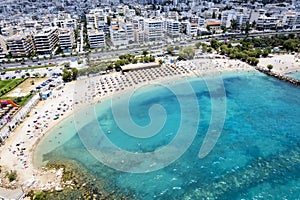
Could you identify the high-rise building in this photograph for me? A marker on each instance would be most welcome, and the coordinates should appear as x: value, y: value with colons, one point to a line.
x: 173, y: 28
x: 118, y: 36
x: 20, y: 45
x: 153, y: 29
x: 66, y: 40
x: 46, y: 40
x: 96, y: 39
x: 297, y: 5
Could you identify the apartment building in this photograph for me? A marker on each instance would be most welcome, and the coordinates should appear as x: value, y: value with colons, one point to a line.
x: 20, y: 45
x: 297, y: 21
x: 96, y: 39
x: 242, y: 18
x: 227, y: 16
x: 289, y: 19
x: 46, y: 41
x: 153, y: 29
x: 139, y: 36
x: 297, y: 5
x: 129, y: 32
x: 192, y: 29
x: 265, y: 22
x: 3, y: 47
x: 118, y: 36
x: 66, y: 40
x: 7, y: 31
x: 138, y: 22
x: 173, y: 28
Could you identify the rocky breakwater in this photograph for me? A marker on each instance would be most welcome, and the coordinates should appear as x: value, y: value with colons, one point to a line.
x: 279, y: 76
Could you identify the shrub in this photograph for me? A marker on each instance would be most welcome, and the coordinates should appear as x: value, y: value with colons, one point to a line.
x: 12, y: 176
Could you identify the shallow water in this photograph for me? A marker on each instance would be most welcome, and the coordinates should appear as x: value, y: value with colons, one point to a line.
x: 295, y: 75
x: 256, y: 157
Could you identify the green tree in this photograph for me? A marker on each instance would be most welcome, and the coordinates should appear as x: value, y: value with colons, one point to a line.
x: 247, y: 28
x: 39, y: 196
x: 187, y: 53
x: 214, y: 15
x: 169, y: 49
x: 214, y: 44
x: 208, y: 28
x: 197, y: 45
x: 233, y: 24
x: 108, y: 20
x: 74, y: 73
x: 145, y: 52
x: 66, y: 75
x: 12, y: 176
x: 266, y: 52
x: 270, y: 67
x: 134, y: 61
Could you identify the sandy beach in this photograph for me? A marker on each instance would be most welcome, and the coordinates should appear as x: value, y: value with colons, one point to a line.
x: 283, y: 64
x: 17, y: 153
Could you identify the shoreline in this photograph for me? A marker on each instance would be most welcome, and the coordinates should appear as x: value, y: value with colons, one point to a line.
x: 48, y: 179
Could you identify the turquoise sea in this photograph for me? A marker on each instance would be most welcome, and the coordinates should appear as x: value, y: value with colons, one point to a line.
x: 256, y: 157
x: 295, y: 75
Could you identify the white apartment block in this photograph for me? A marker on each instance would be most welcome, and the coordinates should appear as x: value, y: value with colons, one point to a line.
x: 242, y: 18
x: 46, y: 41
x: 297, y: 21
x: 265, y: 22
x: 3, y: 47
x: 201, y: 22
x: 153, y: 29
x: 20, y: 45
x: 297, y: 5
x: 96, y: 39
x: 66, y: 40
x: 227, y: 16
x: 138, y: 22
x: 173, y: 28
x: 91, y: 20
x: 7, y: 31
x: 139, y: 36
x: 192, y: 29
x: 118, y: 36
x: 289, y: 19
x: 129, y: 32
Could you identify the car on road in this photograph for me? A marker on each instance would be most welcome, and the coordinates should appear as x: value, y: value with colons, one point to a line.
x: 2, y: 73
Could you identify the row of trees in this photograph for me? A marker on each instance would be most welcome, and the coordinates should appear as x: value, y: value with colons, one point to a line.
x: 126, y: 59
x: 288, y: 43
x: 244, y: 52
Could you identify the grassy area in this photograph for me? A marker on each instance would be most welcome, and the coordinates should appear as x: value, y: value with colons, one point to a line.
x: 24, y: 68
x: 8, y: 85
x: 21, y: 101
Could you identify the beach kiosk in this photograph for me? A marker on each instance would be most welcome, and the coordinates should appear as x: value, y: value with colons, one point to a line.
x: 45, y: 95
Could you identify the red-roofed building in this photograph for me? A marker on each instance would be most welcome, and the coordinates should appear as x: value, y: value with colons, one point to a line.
x: 214, y: 26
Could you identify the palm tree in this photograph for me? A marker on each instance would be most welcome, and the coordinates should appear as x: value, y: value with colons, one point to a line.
x: 247, y: 28
x: 254, y: 24
x: 234, y: 24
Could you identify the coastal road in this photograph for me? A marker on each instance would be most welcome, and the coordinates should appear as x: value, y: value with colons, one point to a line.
x: 138, y: 50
